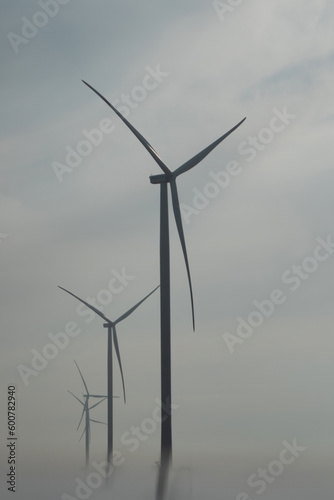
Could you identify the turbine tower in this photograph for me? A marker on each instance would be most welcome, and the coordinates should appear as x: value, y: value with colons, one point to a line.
x: 112, y: 335
x: 85, y: 412
x: 168, y: 177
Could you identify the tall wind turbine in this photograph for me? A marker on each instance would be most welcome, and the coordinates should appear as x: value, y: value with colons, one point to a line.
x: 112, y: 335
x: 168, y: 177
x: 85, y: 411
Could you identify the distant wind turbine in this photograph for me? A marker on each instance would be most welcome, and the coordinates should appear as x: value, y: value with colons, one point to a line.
x: 112, y: 335
x: 168, y: 177
x: 85, y: 412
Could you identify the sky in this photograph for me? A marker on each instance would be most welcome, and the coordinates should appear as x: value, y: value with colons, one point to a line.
x: 254, y: 381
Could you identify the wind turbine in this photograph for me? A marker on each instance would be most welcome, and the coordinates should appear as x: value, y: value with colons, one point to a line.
x: 112, y: 335
x: 85, y: 411
x: 168, y: 177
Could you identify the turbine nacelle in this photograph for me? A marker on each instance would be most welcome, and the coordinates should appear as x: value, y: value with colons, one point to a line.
x: 160, y: 179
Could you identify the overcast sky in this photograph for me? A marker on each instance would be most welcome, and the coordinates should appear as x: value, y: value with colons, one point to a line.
x: 78, y: 210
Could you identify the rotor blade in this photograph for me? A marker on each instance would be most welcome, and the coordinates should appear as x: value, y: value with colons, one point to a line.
x: 88, y: 305
x: 178, y: 220
x: 142, y: 139
x: 97, y: 421
x: 83, y: 432
x: 76, y: 398
x: 96, y: 404
x: 199, y: 157
x: 82, y: 377
x: 119, y: 359
x: 104, y: 397
x: 130, y: 311
x: 82, y: 414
